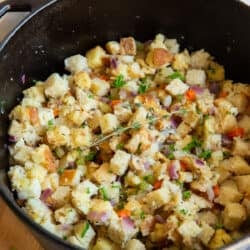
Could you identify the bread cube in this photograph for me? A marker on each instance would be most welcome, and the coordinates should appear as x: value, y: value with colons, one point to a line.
x: 36, y: 92
x: 104, y: 174
x: 233, y: 215
x: 228, y: 193
x: 157, y: 198
x: 135, y: 244
x: 183, y: 129
x: 45, y: 115
x: 119, y: 162
x: 219, y: 239
x: 228, y: 123
x: 132, y: 180
x: 76, y: 63
x: 212, y: 141
x: 35, y: 171
x: 82, y: 80
x: 244, y: 123
x: 139, y: 116
x: 215, y: 72
x: 181, y: 61
x: 70, y: 177
x: 241, y: 147
x: 238, y: 165
x: 135, y: 71
x: 100, y: 87
x: 123, y: 111
x: 81, y: 137
x: 243, y: 184
x: 66, y: 215
x: 95, y: 57
x: 56, y: 86
x: 60, y: 196
x: 177, y: 87
x: 246, y: 204
x: 104, y: 244
x: 207, y: 217
x: 196, y: 77
x: 240, y: 101
x: 199, y: 59
x: 37, y: 210
x: 85, y: 233
x: 172, y: 45
x: 108, y: 123
x: 87, y: 103
x: 127, y: 46
x: 58, y: 136
x: 113, y: 47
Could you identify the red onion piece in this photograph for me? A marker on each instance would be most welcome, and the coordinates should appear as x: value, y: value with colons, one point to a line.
x: 123, y: 94
x: 210, y: 194
x: 226, y: 141
x: 133, y: 93
x: 46, y: 193
x: 146, y: 165
x: 71, y: 164
x: 65, y: 227
x: 127, y: 223
x: 104, y: 99
x: 197, y: 89
x: 98, y: 216
x: 175, y: 121
x: 214, y: 88
x: 199, y: 162
x: 23, y: 78
x: 159, y: 219
x: 212, y: 111
x: 12, y: 139
x: 113, y: 63
x: 173, y: 168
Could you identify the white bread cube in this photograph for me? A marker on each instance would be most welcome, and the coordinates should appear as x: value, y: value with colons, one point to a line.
x: 181, y: 61
x: 66, y: 215
x: 35, y: 171
x: 113, y: 47
x: 85, y: 233
x: 233, y: 215
x: 177, y: 87
x: 103, y: 174
x: 58, y: 136
x: 104, y: 244
x: 60, y: 196
x: 135, y: 244
x: 95, y: 57
x: 81, y: 137
x: 76, y: 63
x: 108, y: 123
x: 70, y: 177
x: 206, y: 233
x: 132, y: 180
x: 36, y: 92
x: 241, y: 147
x: 119, y: 162
x: 157, y: 198
x: 100, y: 87
x: 199, y: 59
x: 243, y: 182
x: 196, y: 77
x: 85, y: 101
x: 82, y: 80
x: 123, y: 111
x: 228, y: 123
x: 139, y: 116
x: 56, y: 86
x: 37, y: 210
x: 172, y: 45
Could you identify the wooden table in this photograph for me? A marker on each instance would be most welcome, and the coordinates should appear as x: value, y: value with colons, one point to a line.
x: 14, y: 235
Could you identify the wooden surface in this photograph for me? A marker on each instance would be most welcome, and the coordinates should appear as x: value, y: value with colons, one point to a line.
x: 14, y: 235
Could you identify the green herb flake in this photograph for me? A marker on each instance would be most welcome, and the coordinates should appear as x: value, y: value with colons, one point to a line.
x: 149, y: 178
x: 88, y: 190
x: 142, y: 215
x: 219, y: 225
x: 90, y: 156
x: 144, y: 85
x: 226, y: 154
x: 65, y: 237
x: 80, y: 161
x: 206, y: 154
x: 116, y: 186
x: 186, y: 194
x: 85, y: 229
x: 177, y: 75
x: 193, y: 144
x: 50, y: 124
x: 59, y: 152
x: 119, y: 82
x: 136, y: 125
x: 104, y: 193
x: 144, y: 186
x: 183, y: 211
x: 120, y: 146
x: 91, y: 96
x: 60, y: 170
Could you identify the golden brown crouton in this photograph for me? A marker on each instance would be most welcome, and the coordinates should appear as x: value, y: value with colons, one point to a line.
x: 128, y: 46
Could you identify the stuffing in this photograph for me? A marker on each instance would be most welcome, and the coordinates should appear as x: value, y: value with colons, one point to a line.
x: 113, y: 47
x: 104, y: 244
x: 132, y: 180
x: 240, y: 101
x: 241, y: 147
x: 123, y: 111
x: 51, y: 181
x: 219, y: 239
x: 76, y: 63
x: 99, y: 87
x: 196, y: 77
x: 233, y: 216
x: 82, y: 80
x: 103, y: 174
x: 199, y: 59
x: 237, y: 165
x: 87, y: 103
x: 135, y: 245
x: 127, y: 46
x: 66, y: 215
x: 35, y: 93
x: 119, y: 162
x: 172, y: 45
x: 215, y: 72
x: 56, y: 86
x: 45, y: 115
x: 177, y: 87
x: 108, y: 123
x: 95, y: 57
x: 243, y: 184
x: 80, y: 137
x: 58, y: 136
x: 181, y: 61
x: 228, y: 123
x: 60, y: 196
x: 244, y: 123
x: 70, y: 177
x: 158, y: 58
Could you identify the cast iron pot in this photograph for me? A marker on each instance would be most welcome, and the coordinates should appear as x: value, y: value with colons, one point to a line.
x: 57, y: 29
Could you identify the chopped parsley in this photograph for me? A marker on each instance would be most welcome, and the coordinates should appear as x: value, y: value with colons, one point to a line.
x: 119, y: 82
x: 219, y: 225
x: 116, y: 186
x: 90, y: 156
x: 65, y: 237
x: 144, y: 85
x: 85, y: 229
x: 186, y: 194
x: 88, y: 190
x: 120, y: 146
x: 80, y: 161
x: 104, y: 193
x: 183, y: 211
x: 144, y: 185
x: 142, y: 215
x: 60, y: 170
x: 171, y: 149
x: 206, y: 154
x: 177, y: 75
x: 91, y: 96
x: 50, y: 124
x: 192, y: 145
x: 149, y: 178
x: 136, y: 125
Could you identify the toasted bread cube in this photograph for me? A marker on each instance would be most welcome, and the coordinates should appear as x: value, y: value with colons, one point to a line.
x: 104, y: 174
x: 240, y: 101
x: 246, y: 204
x: 87, y: 103
x: 104, y: 244
x: 132, y: 180
x: 199, y: 59
x: 36, y: 92
x: 81, y: 137
x: 241, y: 147
x: 127, y: 46
x: 228, y: 193
x: 56, y: 86
x: 76, y: 63
x: 238, y: 165
x: 196, y: 77
x: 135, y: 71
x: 108, y: 123
x: 140, y: 115
x: 228, y: 123
x: 233, y: 216
x: 219, y: 239
x: 70, y: 177
x: 84, y: 233
x: 113, y: 47
x: 181, y: 61
x: 135, y: 244
x: 60, y: 197
x: 172, y: 45
x: 100, y: 87
x: 158, y: 57
x: 177, y: 87
x: 157, y: 198
x: 243, y: 184
x: 119, y: 162
x: 123, y: 111
x: 215, y: 72
x: 191, y: 118
x: 245, y: 123
x: 35, y: 171
x: 77, y: 117
x: 66, y: 215
x: 58, y: 136
x: 82, y: 80
x: 95, y: 57
x: 183, y: 129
